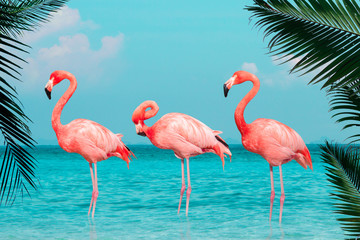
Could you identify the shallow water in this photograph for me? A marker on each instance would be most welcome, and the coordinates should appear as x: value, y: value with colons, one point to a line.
x: 141, y: 202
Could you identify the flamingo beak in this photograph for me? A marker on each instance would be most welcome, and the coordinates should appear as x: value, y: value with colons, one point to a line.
x: 141, y: 134
x: 226, y: 90
x: 48, y: 87
x: 48, y: 93
x: 229, y: 83
x: 139, y: 130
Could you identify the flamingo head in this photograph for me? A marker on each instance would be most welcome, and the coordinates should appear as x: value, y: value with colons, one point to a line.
x: 140, y: 114
x: 139, y: 130
x: 138, y: 126
x: 55, y: 78
x: 138, y: 120
x: 237, y: 78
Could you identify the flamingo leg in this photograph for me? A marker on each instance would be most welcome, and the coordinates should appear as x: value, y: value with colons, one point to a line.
x: 282, y: 198
x: 272, y: 196
x: 183, y: 187
x: 188, y: 192
x: 96, y: 192
x: 92, y: 179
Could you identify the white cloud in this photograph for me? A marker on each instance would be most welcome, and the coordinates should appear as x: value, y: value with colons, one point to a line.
x: 269, y: 81
x: 63, y: 19
x: 110, y: 46
x: 69, y: 45
x: 250, y: 67
x: 282, y: 76
x: 74, y: 54
x: 78, y: 47
x: 294, y: 61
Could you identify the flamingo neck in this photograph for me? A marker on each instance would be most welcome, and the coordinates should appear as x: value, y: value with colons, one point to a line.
x: 143, y: 115
x: 55, y: 118
x: 146, y: 129
x: 239, y: 112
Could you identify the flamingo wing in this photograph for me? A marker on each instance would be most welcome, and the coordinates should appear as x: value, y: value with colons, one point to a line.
x: 89, y: 138
x: 190, y: 129
x: 277, y: 142
x: 185, y: 135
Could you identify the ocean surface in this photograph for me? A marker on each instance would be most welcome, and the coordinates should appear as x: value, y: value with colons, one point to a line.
x: 141, y: 202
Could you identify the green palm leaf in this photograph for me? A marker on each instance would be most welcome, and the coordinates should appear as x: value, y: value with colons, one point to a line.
x: 324, y: 34
x: 19, y: 16
x: 343, y: 171
x: 345, y: 102
x: 17, y: 172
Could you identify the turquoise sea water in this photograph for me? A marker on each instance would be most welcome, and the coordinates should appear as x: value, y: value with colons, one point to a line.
x: 141, y: 202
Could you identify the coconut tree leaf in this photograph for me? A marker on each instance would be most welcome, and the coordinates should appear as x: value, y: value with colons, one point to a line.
x: 323, y: 34
x: 342, y: 163
x: 19, y: 16
x: 17, y: 171
x: 345, y: 103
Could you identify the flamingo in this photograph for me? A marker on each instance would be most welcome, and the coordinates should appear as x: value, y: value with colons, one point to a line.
x: 87, y: 138
x: 273, y: 140
x: 185, y: 135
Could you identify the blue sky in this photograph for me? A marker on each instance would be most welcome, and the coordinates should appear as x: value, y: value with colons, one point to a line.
x: 178, y: 54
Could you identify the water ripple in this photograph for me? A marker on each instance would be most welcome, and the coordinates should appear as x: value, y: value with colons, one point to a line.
x: 141, y: 202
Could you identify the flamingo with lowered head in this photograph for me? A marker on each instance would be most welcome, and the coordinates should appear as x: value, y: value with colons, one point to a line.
x: 185, y: 135
x: 87, y: 138
x: 272, y: 140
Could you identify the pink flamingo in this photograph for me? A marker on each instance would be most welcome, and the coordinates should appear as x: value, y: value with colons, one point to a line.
x: 87, y: 138
x: 185, y: 135
x: 273, y: 140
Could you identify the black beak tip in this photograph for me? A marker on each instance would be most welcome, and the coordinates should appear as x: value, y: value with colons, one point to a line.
x: 226, y: 90
x: 48, y: 93
x: 142, y: 134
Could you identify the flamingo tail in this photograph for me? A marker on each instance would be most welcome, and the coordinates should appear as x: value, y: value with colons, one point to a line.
x: 221, y: 149
x: 304, y: 158
x: 123, y: 151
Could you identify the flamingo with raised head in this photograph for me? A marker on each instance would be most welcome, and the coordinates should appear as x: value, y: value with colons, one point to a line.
x: 87, y: 138
x: 185, y: 135
x: 272, y: 140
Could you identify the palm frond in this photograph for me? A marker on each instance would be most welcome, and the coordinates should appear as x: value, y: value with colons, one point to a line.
x: 17, y: 172
x: 18, y: 16
x: 343, y: 171
x: 345, y: 102
x: 324, y: 34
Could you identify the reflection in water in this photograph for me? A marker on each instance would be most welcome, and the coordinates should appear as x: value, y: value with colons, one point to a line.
x: 188, y: 229
x: 282, y: 232
x: 185, y: 229
x: 92, y: 229
x: 270, y: 233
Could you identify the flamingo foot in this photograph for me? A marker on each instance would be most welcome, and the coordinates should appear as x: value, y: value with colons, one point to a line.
x: 282, y: 199
x: 188, y: 192
x: 272, y: 197
x: 181, y: 195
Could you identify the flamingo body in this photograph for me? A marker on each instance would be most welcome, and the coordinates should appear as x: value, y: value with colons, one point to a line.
x: 273, y: 140
x: 185, y: 135
x: 89, y: 139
